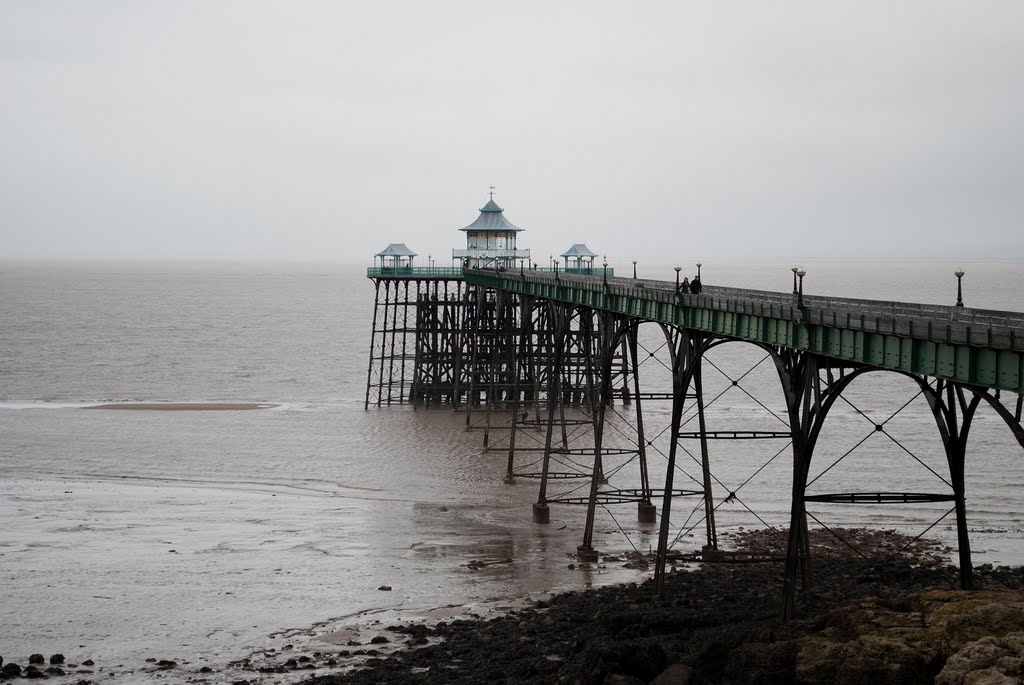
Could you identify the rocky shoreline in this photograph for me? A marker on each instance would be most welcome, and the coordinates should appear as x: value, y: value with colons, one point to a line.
x: 888, y: 613
x: 882, y: 608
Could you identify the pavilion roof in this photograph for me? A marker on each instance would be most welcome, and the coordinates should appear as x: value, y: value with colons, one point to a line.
x: 579, y: 250
x: 491, y: 219
x: 396, y: 250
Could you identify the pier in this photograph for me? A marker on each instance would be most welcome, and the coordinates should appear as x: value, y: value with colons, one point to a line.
x: 541, y: 356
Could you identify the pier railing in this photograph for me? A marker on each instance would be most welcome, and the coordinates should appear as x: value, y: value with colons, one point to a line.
x: 414, y: 272
x: 456, y: 271
x: 983, y: 347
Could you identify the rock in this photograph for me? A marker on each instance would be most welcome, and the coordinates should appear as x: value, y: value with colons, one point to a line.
x: 379, y: 640
x: 385, y: 588
x: 750, y: 661
x: 11, y: 670
x: 676, y: 674
x: 54, y: 670
x: 37, y: 659
x: 33, y: 672
x: 88, y: 662
x: 206, y: 669
x: 988, y: 661
x: 724, y: 622
x: 617, y: 679
x: 166, y: 664
x: 57, y: 659
x: 971, y: 618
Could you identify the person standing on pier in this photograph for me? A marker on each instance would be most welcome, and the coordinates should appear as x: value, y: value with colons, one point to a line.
x: 695, y: 285
x: 684, y: 287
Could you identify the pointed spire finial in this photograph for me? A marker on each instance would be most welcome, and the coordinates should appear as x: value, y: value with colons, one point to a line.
x: 492, y: 192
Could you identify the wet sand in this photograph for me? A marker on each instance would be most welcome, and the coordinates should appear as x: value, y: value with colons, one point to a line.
x: 183, y: 406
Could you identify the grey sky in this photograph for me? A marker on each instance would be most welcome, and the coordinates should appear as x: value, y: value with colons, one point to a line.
x: 327, y: 129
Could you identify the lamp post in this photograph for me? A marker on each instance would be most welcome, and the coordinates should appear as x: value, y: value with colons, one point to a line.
x: 555, y: 263
x: 551, y: 260
x: 959, y: 273
x: 678, y: 269
x: 800, y: 272
x: 699, y: 265
x: 522, y: 260
x: 605, y: 265
x: 634, y: 268
x: 794, y: 269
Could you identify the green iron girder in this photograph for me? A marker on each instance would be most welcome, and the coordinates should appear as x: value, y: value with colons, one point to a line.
x: 975, y: 347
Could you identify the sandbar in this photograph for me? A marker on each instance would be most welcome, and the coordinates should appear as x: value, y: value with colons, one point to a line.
x: 183, y: 406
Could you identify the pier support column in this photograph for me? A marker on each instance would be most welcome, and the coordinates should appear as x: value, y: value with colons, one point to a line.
x: 600, y: 395
x: 808, y: 400
x: 541, y: 513
x: 685, y: 347
x: 559, y: 323
x: 954, y: 414
x: 646, y: 511
x: 709, y: 504
x: 521, y: 365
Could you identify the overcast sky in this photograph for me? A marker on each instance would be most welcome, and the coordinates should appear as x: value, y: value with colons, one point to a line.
x: 312, y: 130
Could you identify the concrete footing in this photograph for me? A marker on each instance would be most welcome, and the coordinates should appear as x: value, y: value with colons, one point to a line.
x: 509, y: 480
x: 646, y: 512
x: 584, y: 553
x: 541, y: 513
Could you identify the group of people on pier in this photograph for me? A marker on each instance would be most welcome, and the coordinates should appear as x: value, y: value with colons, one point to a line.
x: 688, y: 286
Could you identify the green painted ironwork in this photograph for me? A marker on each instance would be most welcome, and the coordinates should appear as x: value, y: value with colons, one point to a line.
x: 971, y: 346
x: 414, y: 272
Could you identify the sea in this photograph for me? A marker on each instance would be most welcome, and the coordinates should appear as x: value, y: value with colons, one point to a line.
x: 209, y: 537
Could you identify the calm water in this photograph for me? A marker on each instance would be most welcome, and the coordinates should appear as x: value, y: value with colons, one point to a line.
x: 209, y: 536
